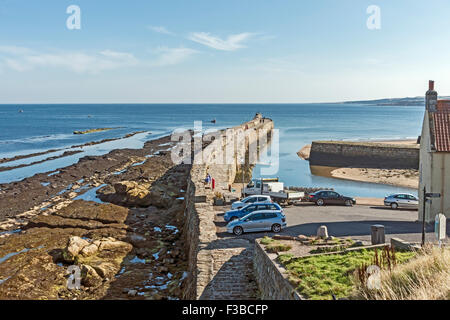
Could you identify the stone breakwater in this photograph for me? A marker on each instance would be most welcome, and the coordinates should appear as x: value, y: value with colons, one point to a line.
x: 211, y: 260
x: 341, y: 154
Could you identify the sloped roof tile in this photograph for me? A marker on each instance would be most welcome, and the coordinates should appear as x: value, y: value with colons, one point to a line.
x: 441, y: 119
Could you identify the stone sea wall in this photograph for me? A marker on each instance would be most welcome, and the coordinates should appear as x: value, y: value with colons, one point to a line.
x: 271, y: 277
x: 199, y: 228
x: 364, y: 155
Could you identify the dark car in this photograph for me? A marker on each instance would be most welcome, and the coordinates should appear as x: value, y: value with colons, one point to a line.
x: 330, y: 197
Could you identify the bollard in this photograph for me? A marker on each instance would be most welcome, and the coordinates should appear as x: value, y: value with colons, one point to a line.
x: 378, y: 236
x: 322, y: 232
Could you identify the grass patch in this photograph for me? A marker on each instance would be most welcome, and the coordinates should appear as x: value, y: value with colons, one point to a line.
x: 266, y: 240
x: 276, y: 247
x: 319, y: 277
x: 328, y: 249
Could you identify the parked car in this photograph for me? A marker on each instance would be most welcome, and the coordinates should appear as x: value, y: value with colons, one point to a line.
x: 239, y: 213
x: 251, y: 199
x: 266, y: 220
x: 401, y: 200
x: 324, y: 197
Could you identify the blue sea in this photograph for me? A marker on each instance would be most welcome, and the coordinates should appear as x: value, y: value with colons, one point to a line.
x: 43, y: 127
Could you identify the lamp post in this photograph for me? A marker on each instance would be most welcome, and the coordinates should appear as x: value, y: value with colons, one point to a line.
x: 423, y: 215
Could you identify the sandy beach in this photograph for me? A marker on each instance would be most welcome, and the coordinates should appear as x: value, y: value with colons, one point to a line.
x: 397, y: 177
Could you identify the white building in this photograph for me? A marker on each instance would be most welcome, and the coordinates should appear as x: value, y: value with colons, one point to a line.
x: 435, y: 156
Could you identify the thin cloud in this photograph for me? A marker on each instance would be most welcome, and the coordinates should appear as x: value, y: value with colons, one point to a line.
x: 231, y: 43
x: 160, y: 29
x: 77, y: 62
x: 171, y: 56
x: 14, y: 50
x: 24, y: 59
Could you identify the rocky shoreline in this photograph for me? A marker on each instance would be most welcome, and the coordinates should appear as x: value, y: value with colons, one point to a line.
x: 91, y: 143
x: 127, y: 250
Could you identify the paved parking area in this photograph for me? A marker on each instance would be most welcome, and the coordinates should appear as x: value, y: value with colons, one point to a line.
x: 344, y: 221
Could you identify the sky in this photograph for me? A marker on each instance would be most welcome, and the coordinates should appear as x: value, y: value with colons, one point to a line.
x: 211, y: 51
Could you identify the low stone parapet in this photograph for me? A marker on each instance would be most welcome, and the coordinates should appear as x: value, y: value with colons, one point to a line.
x: 271, y: 277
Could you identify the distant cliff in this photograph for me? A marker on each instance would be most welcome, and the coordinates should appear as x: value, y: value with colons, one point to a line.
x: 415, y: 101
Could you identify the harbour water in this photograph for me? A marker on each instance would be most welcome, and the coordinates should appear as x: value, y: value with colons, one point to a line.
x: 43, y: 127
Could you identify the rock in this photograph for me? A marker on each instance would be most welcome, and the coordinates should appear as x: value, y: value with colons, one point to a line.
x: 128, y: 193
x: 105, y: 270
x: 73, y: 248
x: 89, y: 250
x: 358, y: 244
x: 89, y: 277
x: 322, y: 232
x: 162, y: 269
x: 113, y: 244
x: 137, y: 240
x: 281, y: 237
x: 175, y: 253
x: 132, y: 293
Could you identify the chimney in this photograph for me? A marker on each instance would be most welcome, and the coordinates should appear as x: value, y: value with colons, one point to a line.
x: 431, y: 97
x: 431, y: 85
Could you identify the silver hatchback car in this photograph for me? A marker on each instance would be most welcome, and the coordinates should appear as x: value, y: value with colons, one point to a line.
x: 402, y: 200
x: 265, y: 220
x: 250, y: 200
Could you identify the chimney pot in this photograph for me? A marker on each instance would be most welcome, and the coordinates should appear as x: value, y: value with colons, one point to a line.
x: 431, y: 85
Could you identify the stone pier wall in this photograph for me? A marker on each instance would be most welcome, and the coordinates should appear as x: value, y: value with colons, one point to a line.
x: 199, y: 229
x: 364, y: 155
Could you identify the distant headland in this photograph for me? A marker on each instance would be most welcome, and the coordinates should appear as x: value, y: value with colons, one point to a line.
x: 409, y: 101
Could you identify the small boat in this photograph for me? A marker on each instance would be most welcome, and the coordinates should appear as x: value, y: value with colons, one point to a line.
x: 20, y: 111
x: 213, y: 121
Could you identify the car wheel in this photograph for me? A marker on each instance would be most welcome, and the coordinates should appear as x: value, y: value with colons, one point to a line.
x: 394, y: 206
x: 276, y: 228
x: 238, y: 231
x: 320, y: 202
x: 349, y: 203
x: 234, y: 218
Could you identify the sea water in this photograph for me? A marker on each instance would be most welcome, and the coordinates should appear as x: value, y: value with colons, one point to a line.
x: 44, y: 127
